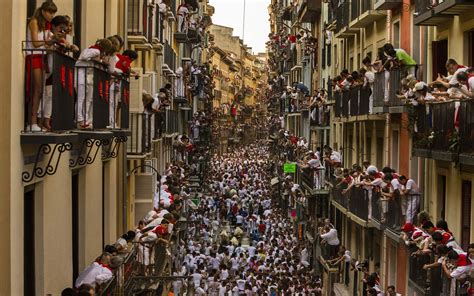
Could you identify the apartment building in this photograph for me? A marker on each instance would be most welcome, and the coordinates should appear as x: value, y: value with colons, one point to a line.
x: 237, y: 75
x: 386, y: 132
x: 68, y: 192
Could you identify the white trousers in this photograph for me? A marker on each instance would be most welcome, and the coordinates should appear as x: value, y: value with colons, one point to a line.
x: 413, y: 201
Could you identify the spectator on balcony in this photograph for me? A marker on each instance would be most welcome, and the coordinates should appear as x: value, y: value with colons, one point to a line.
x: 466, y: 83
x: 453, y: 69
x: 59, y: 44
x: 122, y: 67
x: 368, y: 83
x: 391, y: 291
x: 97, y: 273
x: 122, y: 243
x: 462, y: 267
x: 85, y: 79
x: 330, y: 237
x: 38, y: 35
x: 412, y: 194
x: 183, y: 12
x: 401, y: 57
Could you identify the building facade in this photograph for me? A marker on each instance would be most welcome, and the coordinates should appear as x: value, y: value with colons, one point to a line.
x: 377, y: 127
x: 69, y: 192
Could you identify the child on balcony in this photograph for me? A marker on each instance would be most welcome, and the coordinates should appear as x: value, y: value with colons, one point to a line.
x: 38, y: 34
x: 85, y: 79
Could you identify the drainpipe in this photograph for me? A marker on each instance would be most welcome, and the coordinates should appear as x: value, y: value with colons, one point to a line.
x: 387, y: 115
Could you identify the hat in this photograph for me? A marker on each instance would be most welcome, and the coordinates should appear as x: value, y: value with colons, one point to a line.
x: 420, y: 86
x: 408, y: 227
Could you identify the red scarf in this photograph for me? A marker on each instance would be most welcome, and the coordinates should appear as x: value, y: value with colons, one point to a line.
x: 48, y: 26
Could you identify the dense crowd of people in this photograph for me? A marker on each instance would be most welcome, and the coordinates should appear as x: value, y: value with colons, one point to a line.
x: 243, y: 244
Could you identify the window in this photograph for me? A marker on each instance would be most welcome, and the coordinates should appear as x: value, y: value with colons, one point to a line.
x: 396, y: 34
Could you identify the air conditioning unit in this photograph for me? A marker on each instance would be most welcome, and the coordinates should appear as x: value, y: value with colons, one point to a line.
x: 136, y: 90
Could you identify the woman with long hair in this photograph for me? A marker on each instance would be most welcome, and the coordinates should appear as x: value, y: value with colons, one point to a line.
x: 37, y: 37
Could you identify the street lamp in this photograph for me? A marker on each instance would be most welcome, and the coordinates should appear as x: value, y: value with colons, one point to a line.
x: 158, y: 177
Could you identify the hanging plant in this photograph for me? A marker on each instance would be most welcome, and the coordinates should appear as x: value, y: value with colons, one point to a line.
x: 454, y: 142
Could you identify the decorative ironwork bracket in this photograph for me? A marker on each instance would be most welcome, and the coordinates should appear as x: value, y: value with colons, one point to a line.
x: 52, y: 163
x: 86, y: 154
x: 114, y: 146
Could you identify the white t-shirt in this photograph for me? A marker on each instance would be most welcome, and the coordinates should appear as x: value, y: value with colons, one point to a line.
x: 396, y: 184
x: 412, y: 187
x: 331, y: 237
x: 314, y: 163
x: 241, y: 284
x: 454, y: 77
x: 335, y: 156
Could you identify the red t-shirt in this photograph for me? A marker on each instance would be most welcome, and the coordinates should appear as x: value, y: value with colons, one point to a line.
x: 124, y: 63
x: 463, y: 260
x: 160, y: 230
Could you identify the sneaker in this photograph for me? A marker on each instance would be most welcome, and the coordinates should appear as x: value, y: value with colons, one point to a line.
x: 33, y: 128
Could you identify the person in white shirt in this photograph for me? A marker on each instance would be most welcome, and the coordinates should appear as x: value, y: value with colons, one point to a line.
x: 97, y: 273
x: 84, y: 78
x: 412, y: 195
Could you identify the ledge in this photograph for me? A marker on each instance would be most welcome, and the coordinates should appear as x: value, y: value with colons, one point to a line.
x: 96, y: 135
x: 466, y: 159
x: 340, y: 207
x: 47, y: 138
x: 421, y: 152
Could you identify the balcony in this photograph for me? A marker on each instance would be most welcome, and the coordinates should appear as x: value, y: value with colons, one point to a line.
x: 190, y: 36
x: 344, y: 15
x: 313, y: 180
x: 56, y: 109
x: 364, y: 14
x: 169, y: 65
x: 352, y: 103
x: 438, y: 134
x: 140, y: 23
x: 386, y: 88
x: 427, y: 14
x: 141, y: 133
x: 308, y: 10
x: 434, y: 130
x: 171, y: 122
x: 387, y: 4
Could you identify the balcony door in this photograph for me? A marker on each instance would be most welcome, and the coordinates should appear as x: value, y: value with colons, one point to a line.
x: 29, y: 276
x: 439, y: 58
x: 466, y: 191
x: 470, y: 46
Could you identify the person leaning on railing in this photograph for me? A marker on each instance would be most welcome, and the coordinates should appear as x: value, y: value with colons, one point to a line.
x: 84, y: 77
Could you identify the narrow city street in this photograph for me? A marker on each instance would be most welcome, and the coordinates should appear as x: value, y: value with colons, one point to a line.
x: 244, y: 243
